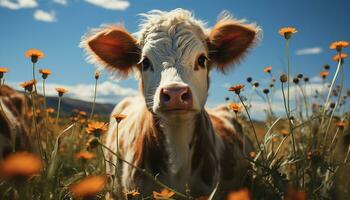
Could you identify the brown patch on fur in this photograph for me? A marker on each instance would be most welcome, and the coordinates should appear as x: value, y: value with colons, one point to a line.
x: 229, y: 41
x: 233, y: 164
x: 227, y: 133
x: 113, y: 47
x: 149, y: 145
x: 204, y: 154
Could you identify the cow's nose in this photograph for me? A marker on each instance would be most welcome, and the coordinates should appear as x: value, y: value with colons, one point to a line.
x: 176, y: 98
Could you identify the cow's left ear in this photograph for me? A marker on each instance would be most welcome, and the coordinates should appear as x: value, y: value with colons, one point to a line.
x: 113, y: 48
x: 229, y: 40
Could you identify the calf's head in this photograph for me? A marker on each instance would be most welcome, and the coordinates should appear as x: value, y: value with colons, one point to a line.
x: 174, y: 55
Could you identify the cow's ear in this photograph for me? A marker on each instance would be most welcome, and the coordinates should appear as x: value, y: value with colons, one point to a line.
x: 112, y: 47
x: 229, y: 40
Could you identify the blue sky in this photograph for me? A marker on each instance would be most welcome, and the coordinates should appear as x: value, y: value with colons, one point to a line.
x: 56, y: 26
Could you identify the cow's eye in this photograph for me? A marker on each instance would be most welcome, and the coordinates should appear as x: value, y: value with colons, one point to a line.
x: 202, y: 60
x: 146, y: 64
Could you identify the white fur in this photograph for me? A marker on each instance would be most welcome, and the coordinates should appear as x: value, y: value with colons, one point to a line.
x: 173, y: 41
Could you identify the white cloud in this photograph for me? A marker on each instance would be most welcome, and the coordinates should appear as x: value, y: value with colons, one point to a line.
x: 62, y: 2
x: 309, y: 51
x: 18, y: 4
x: 44, y: 16
x: 110, y: 4
x: 107, y: 92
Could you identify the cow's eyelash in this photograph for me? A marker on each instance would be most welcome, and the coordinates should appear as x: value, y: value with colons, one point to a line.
x: 146, y: 64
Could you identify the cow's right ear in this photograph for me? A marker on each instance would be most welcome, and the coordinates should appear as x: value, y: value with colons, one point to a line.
x: 112, y: 47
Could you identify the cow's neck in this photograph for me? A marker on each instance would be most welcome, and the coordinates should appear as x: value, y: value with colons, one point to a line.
x: 179, y: 134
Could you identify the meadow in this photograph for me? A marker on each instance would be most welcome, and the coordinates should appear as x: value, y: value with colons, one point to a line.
x: 299, y: 155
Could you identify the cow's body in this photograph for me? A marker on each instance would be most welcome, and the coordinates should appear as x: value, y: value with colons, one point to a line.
x: 168, y: 131
x: 13, y: 128
x: 213, y: 155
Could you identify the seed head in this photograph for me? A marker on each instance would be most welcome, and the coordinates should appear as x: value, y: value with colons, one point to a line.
x: 283, y: 78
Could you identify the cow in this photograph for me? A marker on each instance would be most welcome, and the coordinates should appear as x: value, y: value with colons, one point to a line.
x: 13, y: 126
x: 168, y: 131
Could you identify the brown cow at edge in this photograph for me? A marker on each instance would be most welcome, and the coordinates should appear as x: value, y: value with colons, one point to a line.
x: 12, y: 121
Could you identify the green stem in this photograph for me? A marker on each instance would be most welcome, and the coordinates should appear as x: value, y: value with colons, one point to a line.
x: 94, y: 102
x: 329, y: 92
x: 288, y: 73
x: 37, y: 133
x: 336, y: 105
x: 251, y: 122
x: 116, y: 172
x: 58, y: 109
x: 270, y: 105
x: 277, y: 150
x: 334, y: 137
x: 46, y: 117
x: 289, y: 120
x: 44, y: 93
x: 347, y: 155
x: 305, y: 101
x: 36, y: 91
x: 291, y: 132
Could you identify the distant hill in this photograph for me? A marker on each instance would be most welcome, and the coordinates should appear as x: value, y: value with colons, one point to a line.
x: 68, y: 104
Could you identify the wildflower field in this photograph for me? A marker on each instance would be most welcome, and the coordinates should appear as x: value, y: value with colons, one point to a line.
x: 301, y: 154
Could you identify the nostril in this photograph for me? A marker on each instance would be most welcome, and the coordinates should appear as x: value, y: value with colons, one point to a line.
x: 165, y: 97
x: 186, y: 96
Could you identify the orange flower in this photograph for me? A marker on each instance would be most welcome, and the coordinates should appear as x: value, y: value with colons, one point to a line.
x: 3, y: 70
x: 119, y: 117
x: 324, y: 74
x: 84, y: 155
x: 88, y: 187
x: 82, y: 121
x: 61, y: 91
x: 252, y: 154
x: 235, y: 107
x: 34, y: 54
x: 50, y: 110
x: 28, y: 85
x: 268, y: 69
x: 20, y: 164
x: 130, y: 194
x: 242, y: 194
x: 164, y: 194
x: 292, y: 194
x: 236, y: 88
x: 96, y: 128
x: 341, y: 56
x: 339, y: 45
x: 45, y: 72
x: 284, y: 132
x: 287, y: 32
x: 30, y: 113
x: 97, y: 74
x: 341, y: 125
x: 82, y: 113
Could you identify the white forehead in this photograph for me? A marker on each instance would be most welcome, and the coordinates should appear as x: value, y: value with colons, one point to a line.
x: 173, y: 34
